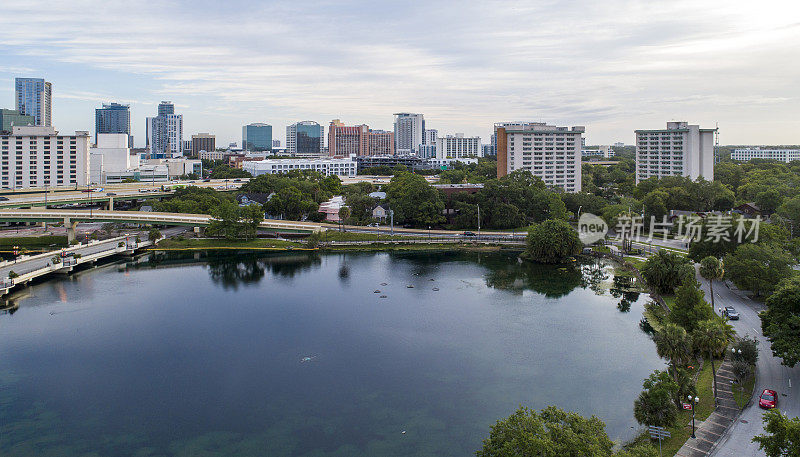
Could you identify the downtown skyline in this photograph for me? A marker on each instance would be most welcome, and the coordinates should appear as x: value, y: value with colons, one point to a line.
x: 614, y: 67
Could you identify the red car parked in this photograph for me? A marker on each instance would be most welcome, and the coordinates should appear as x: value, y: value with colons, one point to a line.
x: 768, y: 399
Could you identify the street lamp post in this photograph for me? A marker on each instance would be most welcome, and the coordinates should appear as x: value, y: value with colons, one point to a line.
x: 694, y: 404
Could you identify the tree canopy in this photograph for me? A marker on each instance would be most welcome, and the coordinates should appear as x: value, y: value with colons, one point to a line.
x: 781, y: 322
x: 666, y: 270
x: 552, y: 241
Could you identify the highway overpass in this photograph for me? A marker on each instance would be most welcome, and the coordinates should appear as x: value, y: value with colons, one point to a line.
x: 71, y: 217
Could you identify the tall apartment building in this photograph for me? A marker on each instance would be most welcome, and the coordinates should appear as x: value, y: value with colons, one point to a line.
x: 679, y: 150
x: 408, y: 132
x: 38, y: 156
x: 458, y: 147
x: 10, y: 118
x: 257, y: 137
x: 113, y: 118
x: 305, y: 138
x: 34, y: 97
x: 552, y: 153
x: 429, y: 136
x: 344, y: 141
x: 165, y: 132
x: 781, y: 155
x: 203, y: 142
x: 381, y: 143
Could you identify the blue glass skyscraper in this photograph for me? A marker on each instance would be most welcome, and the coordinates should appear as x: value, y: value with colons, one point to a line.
x: 34, y: 98
x: 113, y: 118
x: 257, y: 137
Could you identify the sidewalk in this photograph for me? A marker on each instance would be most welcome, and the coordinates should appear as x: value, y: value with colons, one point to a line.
x: 713, y: 428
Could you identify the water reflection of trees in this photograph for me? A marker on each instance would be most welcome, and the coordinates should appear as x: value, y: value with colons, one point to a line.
x: 245, y: 269
x: 624, y: 288
x: 552, y: 281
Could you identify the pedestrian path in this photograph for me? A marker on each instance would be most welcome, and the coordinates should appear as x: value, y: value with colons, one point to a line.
x: 713, y: 428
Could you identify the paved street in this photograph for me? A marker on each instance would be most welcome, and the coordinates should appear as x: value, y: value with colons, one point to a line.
x: 770, y: 374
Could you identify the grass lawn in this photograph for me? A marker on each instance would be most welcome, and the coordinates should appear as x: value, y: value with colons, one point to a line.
x: 335, y: 235
x: 742, y: 393
x: 635, y: 261
x: 33, y: 242
x: 669, y: 300
x: 214, y: 243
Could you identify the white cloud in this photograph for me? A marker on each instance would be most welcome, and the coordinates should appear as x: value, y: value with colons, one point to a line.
x: 613, y: 66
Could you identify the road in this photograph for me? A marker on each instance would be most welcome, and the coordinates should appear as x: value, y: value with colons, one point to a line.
x: 770, y: 374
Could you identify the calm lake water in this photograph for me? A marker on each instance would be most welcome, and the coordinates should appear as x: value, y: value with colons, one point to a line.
x: 294, y: 354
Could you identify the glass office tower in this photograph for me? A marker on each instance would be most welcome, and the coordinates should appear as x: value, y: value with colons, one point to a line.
x: 257, y: 137
x: 34, y: 98
x: 113, y: 118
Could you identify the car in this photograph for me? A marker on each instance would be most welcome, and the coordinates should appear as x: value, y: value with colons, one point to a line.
x: 468, y: 234
x: 768, y: 399
x: 2, y: 199
x: 374, y: 224
x: 111, y: 194
x: 731, y: 313
x: 237, y: 180
x: 207, y: 180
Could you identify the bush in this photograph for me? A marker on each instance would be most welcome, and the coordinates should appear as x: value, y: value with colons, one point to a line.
x: 152, y: 235
x: 56, y: 260
x: 12, y: 274
x: 741, y: 370
x: 121, y: 243
x: 313, y: 240
x: 666, y: 270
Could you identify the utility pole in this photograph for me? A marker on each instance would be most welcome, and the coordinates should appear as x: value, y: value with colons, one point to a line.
x: 391, y: 215
x: 479, y: 220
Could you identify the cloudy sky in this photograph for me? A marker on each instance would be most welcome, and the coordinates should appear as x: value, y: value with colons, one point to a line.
x: 611, y: 65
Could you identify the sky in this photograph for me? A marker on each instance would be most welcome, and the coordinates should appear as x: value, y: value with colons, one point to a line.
x: 613, y: 66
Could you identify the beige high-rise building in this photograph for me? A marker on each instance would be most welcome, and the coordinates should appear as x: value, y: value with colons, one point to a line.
x: 381, y: 143
x: 552, y: 153
x: 203, y: 142
x: 679, y: 150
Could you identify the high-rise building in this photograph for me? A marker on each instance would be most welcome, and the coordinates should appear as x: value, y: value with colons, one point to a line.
x: 305, y: 138
x: 165, y: 132
x: 34, y: 97
x: 345, y: 140
x: 381, y: 143
x: 257, y: 137
x: 203, y: 142
x: 38, y: 156
x: 549, y: 152
x: 679, y: 150
x: 10, y: 118
x: 430, y: 136
x: 458, y: 147
x: 408, y: 128
x: 113, y: 118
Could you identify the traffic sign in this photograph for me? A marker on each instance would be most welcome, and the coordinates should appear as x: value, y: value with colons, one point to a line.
x: 687, y: 406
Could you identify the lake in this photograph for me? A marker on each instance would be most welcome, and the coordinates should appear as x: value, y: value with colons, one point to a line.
x: 300, y: 354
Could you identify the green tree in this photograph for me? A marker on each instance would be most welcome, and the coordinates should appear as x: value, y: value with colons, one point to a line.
x: 674, y: 344
x: 711, y: 269
x: 549, y: 433
x: 758, y: 267
x: 781, y: 322
x: 414, y: 200
x: 552, y: 241
x: 711, y: 337
x: 783, y: 435
x: 690, y: 306
x: 666, y: 270
x: 153, y: 234
x: 656, y: 404
x: 225, y: 221
x: 252, y: 215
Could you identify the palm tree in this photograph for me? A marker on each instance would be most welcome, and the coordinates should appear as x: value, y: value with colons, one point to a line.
x: 711, y: 269
x: 675, y: 345
x: 712, y: 337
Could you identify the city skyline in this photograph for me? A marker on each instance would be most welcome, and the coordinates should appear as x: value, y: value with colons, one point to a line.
x: 614, y: 67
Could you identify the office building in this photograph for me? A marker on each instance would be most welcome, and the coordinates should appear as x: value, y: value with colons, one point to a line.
x: 605, y: 152
x: 305, y: 139
x: 113, y: 118
x: 203, y: 142
x: 34, y: 97
x: 257, y: 137
x: 408, y: 132
x: 488, y: 150
x: 328, y: 166
x: 165, y: 132
x: 276, y: 143
x: 781, y: 155
x: 679, y: 150
x: 10, y: 118
x: 458, y: 146
x: 344, y: 141
x: 110, y: 154
x: 381, y: 143
x: 549, y: 152
x: 38, y: 156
